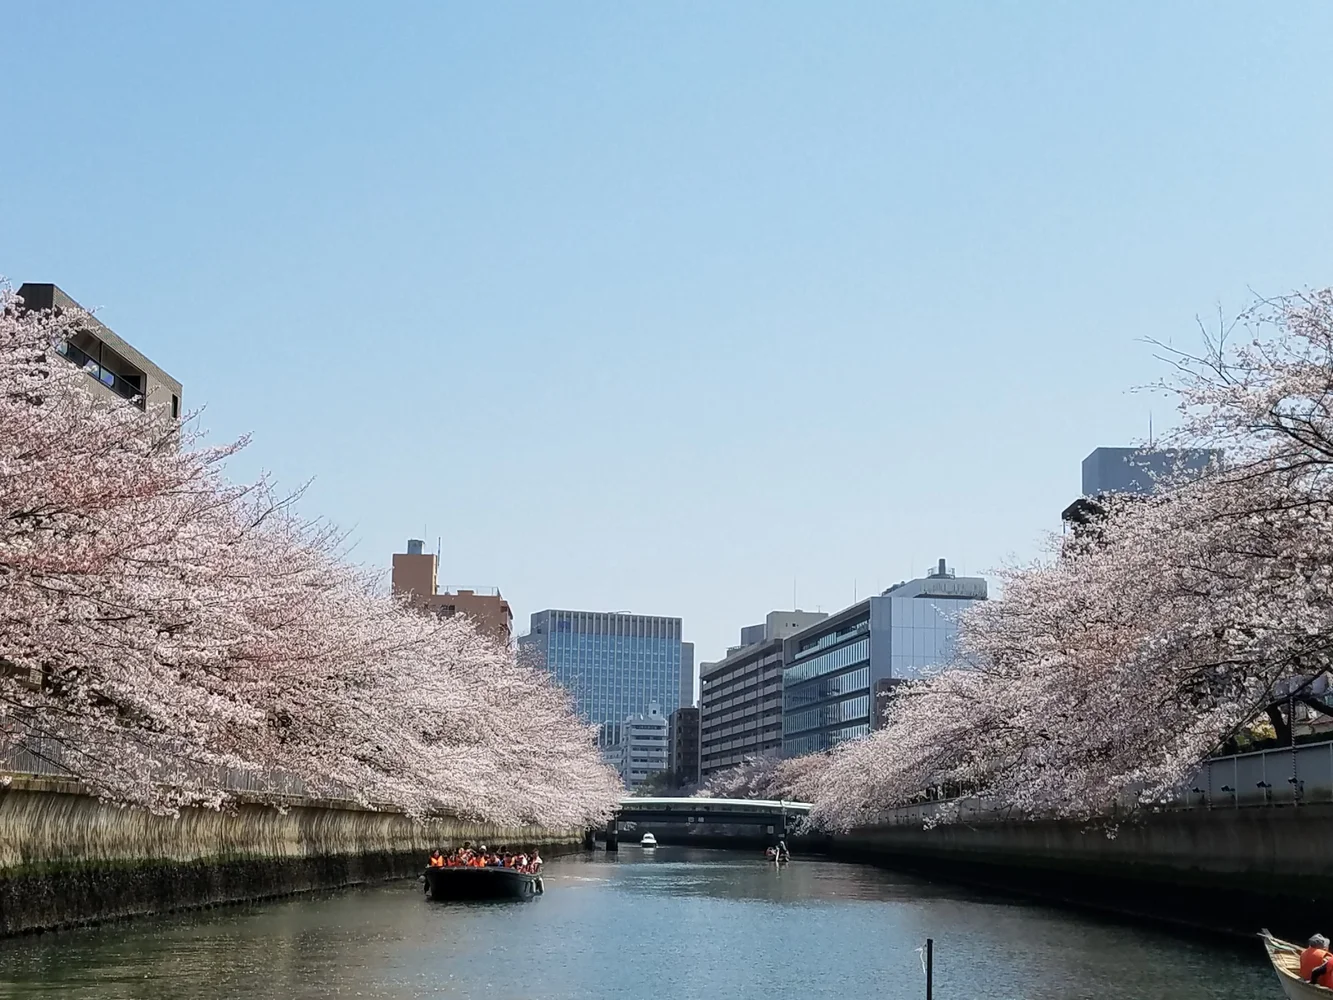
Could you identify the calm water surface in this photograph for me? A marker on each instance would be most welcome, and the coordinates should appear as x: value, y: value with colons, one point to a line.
x: 676, y: 923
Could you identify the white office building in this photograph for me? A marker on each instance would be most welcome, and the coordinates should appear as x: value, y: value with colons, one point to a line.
x: 643, y: 746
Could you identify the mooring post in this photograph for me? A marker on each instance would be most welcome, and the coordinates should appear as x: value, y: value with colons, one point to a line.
x: 930, y: 968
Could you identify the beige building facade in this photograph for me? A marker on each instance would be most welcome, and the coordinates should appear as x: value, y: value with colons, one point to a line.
x: 416, y: 575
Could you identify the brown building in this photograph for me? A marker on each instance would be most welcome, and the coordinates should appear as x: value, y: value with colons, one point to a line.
x: 115, y: 366
x: 683, y: 746
x: 415, y: 573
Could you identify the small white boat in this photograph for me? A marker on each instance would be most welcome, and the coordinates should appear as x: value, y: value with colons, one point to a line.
x: 1286, y: 959
x: 648, y: 841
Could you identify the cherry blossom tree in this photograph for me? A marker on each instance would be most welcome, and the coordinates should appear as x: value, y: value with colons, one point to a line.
x: 164, y: 632
x: 766, y: 776
x: 1109, y: 670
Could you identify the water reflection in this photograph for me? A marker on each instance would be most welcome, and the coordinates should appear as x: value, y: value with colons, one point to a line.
x: 686, y: 924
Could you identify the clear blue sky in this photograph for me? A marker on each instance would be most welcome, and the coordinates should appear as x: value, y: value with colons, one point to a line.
x: 658, y: 306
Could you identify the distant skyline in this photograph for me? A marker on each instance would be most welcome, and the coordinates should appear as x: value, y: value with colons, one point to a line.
x: 662, y: 307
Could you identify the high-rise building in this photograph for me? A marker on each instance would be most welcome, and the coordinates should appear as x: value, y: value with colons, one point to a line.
x: 121, y: 372
x: 613, y: 664
x: 1143, y: 470
x: 740, y: 698
x: 686, y: 674
x: 415, y: 576
x: 683, y: 745
x: 643, y: 746
x: 834, y: 670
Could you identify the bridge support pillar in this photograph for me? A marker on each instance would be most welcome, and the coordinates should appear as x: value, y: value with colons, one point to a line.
x: 589, y: 839
x: 613, y: 837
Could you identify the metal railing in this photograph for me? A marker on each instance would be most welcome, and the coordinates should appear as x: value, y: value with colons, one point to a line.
x: 118, y: 384
x: 1286, y: 777
x: 45, y: 757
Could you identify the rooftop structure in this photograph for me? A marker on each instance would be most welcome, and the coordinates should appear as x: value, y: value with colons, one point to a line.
x: 415, y: 576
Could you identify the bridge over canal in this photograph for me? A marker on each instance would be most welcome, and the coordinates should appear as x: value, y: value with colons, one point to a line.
x: 742, y: 822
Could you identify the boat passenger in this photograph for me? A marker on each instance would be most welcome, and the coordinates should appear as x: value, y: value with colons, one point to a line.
x: 436, y: 859
x: 1315, y: 961
x: 535, y: 865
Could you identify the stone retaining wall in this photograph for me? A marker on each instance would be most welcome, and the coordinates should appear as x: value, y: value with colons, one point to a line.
x: 68, y: 859
x: 1230, y: 870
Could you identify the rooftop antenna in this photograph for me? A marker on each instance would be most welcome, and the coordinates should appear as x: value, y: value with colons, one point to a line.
x: 853, y: 590
x: 794, y: 605
x: 1150, y: 439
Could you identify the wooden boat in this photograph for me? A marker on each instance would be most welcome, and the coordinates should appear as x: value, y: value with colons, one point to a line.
x: 481, y: 883
x: 1286, y: 959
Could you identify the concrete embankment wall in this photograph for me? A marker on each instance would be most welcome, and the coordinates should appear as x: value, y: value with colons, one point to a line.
x: 1228, y: 870
x: 67, y: 859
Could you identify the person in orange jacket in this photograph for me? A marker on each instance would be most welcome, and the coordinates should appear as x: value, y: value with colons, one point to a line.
x: 436, y: 859
x: 1315, y: 961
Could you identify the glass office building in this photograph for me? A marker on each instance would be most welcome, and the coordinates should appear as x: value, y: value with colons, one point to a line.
x: 614, y: 665
x: 833, y: 671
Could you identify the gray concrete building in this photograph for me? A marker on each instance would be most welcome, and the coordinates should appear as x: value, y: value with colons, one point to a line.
x: 740, y: 697
x: 687, y: 695
x: 779, y: 625
x: 117, y: 371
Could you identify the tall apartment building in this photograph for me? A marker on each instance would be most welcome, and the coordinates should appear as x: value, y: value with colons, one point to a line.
x: 614, y: 665
x: 118, y: 372
x: 683, y: 745
x: 643, y: 746
x: 740, y: 698
x: 415, y: 575
x: 835, y: 671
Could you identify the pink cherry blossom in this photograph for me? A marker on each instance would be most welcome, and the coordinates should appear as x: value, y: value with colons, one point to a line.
x: 167, y: 636
x: 1112, y: 667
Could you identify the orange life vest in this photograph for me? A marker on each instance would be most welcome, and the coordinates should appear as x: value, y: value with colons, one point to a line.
x: 1311, y: 959
x: 436, y: 861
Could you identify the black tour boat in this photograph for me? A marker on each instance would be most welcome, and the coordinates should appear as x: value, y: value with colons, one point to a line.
x: 481, y: 883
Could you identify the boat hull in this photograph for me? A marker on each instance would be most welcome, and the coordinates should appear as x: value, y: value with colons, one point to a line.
x: 1285, y: 958
x: 448, y: 884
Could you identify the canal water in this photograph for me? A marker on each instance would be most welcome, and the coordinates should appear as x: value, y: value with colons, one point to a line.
x: 674, y: 923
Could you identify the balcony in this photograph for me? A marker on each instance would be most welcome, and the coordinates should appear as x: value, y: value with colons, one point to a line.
x: 118, y: 384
